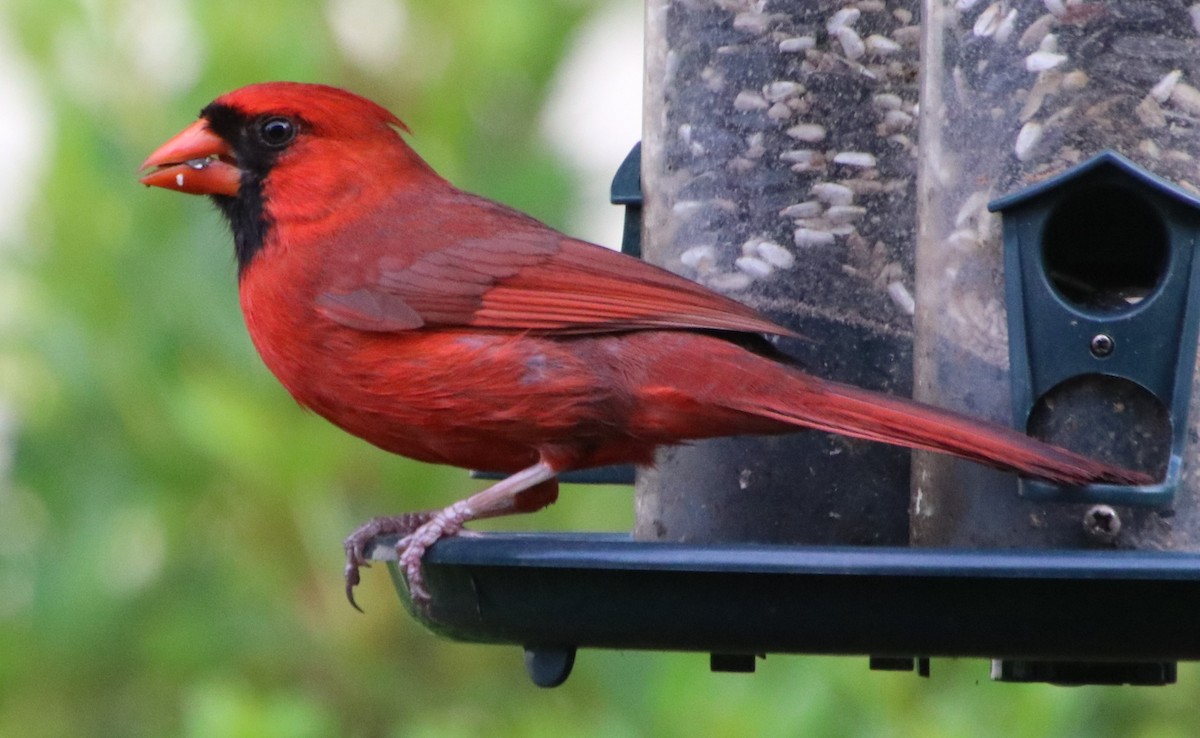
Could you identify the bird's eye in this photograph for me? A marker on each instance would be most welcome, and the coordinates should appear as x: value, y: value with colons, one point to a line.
x: 276, y: 131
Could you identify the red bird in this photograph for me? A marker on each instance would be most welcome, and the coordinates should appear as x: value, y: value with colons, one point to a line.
x: 448, y: 328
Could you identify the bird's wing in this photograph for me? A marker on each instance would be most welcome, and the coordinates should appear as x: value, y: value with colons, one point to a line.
x: 463, y: 261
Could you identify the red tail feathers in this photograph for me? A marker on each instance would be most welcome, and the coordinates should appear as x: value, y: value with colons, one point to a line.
x: 850, y: 411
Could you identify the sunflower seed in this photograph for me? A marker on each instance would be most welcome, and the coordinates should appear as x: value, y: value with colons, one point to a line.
x: 881, y: 45
x: 811, y: 237
x: 844, y: 18
x: 810, y: 132
x: 806, y: 209
x: 833, y: 193
x: 843, y: 214
x: 887, y: 101
x: 988, y: 21
x: 799, y: 156
x: 1162, y: 90
x: 860, y: 159
x: 747, y: 100
x: 797, y: 43
x: 781, y: 90
x: 776, y: 255
x: 1040, y: 61
x: 753, y: 266
x: 699, y: 257
x: 852, y: 44
x: 901, y: 297
x: 1186, y: 97
x: 1028, y: 138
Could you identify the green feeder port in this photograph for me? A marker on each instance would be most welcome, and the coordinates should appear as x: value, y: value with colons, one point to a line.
x: 1103, y: 295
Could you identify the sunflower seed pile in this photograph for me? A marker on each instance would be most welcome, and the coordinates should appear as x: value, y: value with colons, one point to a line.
x: 781, y: 153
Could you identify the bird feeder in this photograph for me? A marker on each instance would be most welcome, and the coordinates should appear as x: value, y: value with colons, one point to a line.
x: 780, y: 167
x: 554, y: 593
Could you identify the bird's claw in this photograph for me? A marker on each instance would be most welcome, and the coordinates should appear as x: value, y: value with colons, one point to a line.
x: 411, y: 549
x: 409, y: 559
x: 356, y: 543
x: 354, y: 561
x: 356, y: 558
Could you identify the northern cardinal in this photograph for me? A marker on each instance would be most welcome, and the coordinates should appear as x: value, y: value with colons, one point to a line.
x: 445, y: 327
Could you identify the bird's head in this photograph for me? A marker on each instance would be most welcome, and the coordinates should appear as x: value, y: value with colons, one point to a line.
x: 276, y: 145
x: 243, y: 134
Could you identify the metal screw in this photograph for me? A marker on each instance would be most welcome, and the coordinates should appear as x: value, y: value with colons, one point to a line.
x: 1102, y: 345
x: 1102, y: 524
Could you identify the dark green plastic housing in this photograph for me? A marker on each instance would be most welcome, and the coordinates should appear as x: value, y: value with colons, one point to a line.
x: 1101, y: 284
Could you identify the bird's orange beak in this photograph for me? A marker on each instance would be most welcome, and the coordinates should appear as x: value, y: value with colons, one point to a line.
x: 196, y: 161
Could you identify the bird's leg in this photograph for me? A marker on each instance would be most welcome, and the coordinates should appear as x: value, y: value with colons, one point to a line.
x: 502, y: 498
x: 526, y: 491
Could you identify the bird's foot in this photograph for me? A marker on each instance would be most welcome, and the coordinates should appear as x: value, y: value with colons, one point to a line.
x: 411, y: 548
x: 356, y: 543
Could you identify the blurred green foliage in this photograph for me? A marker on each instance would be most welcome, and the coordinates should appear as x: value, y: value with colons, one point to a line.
x: 170, y: 523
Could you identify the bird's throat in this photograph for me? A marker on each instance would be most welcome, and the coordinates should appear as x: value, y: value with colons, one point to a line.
x: 247, y: 219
